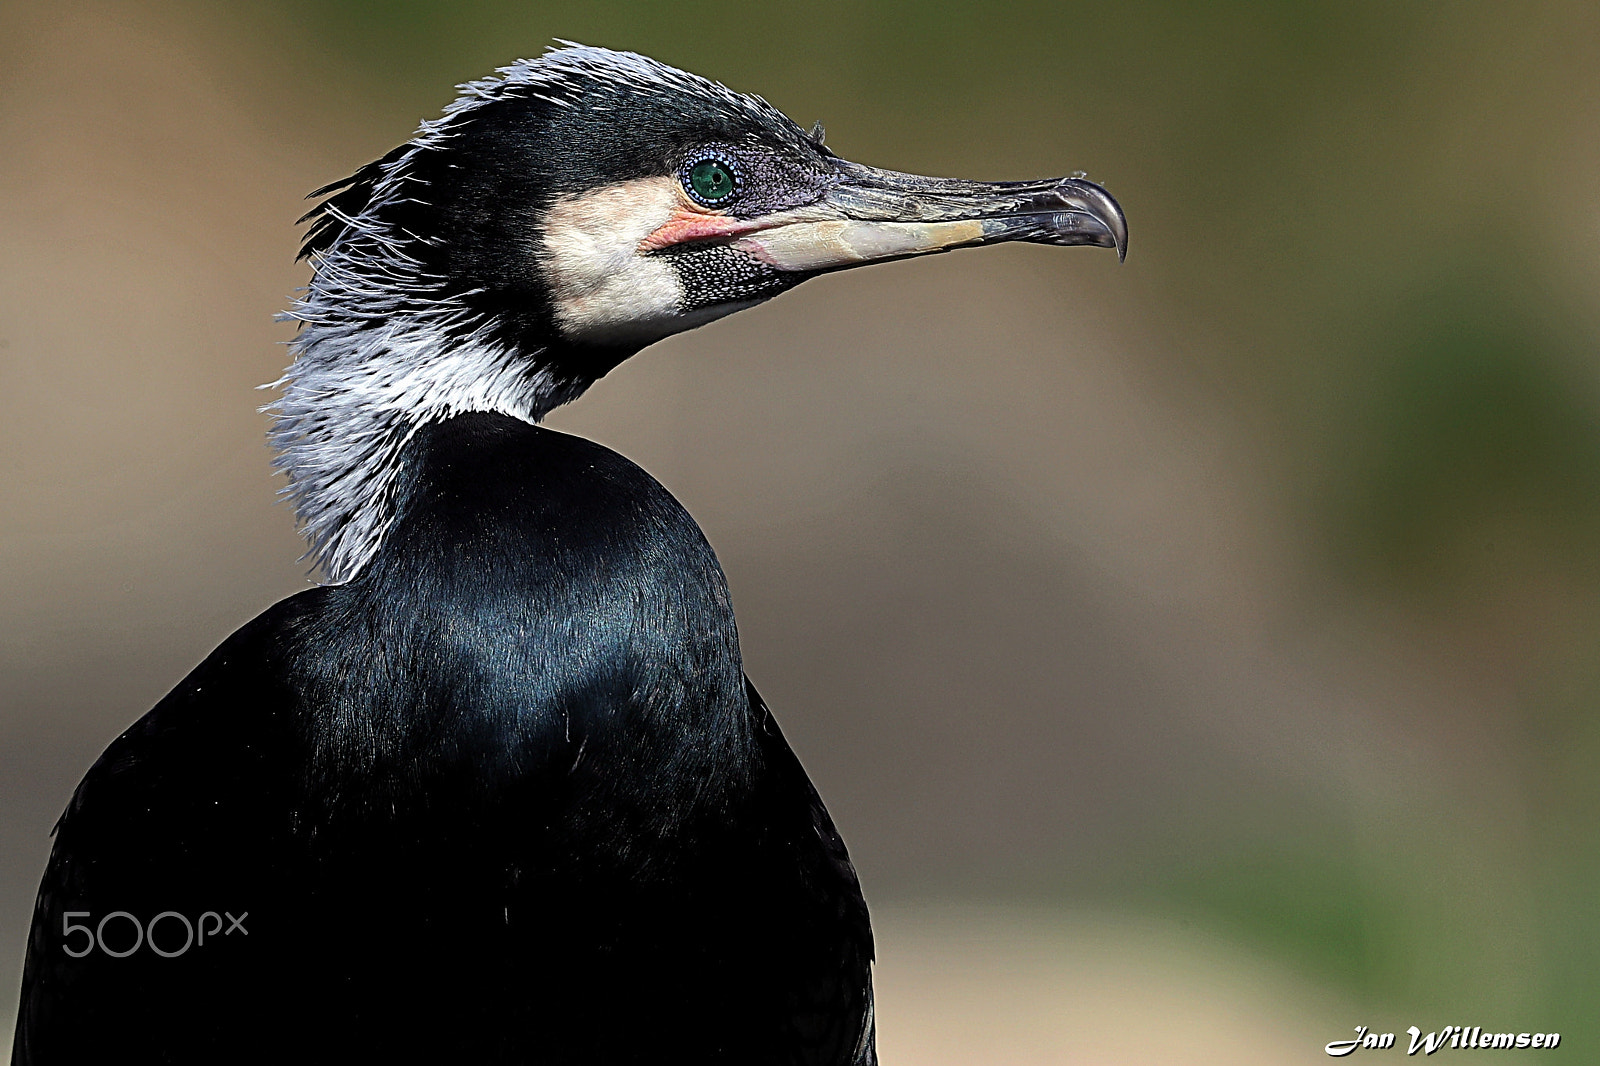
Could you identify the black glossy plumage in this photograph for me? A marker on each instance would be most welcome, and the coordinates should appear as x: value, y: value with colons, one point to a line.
x: 506, y: 797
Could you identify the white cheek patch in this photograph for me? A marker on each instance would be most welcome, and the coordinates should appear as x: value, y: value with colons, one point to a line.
x: 603, y: 290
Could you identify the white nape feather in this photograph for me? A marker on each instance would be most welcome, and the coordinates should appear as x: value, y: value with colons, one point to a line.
x: 348, y: 409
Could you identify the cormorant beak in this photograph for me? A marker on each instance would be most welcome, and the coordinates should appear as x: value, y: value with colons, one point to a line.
x: 873, y: 215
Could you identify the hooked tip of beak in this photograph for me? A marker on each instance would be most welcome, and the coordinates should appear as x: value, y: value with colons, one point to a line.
x: 1081, y: 195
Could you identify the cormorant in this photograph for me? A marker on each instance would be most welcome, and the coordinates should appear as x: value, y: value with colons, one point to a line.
x: 499, y: 791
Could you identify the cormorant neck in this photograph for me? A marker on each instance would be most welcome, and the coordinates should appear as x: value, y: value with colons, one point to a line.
x: 375, y: 361
x: 358, y: 391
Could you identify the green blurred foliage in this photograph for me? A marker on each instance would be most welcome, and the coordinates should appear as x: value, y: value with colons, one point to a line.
x: 1472, y: 421
x: 1321, y: 906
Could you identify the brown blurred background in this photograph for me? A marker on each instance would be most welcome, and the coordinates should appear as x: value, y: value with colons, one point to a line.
x: 1198, y: 654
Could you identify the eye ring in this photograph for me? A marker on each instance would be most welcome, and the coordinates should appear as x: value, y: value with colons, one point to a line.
x: 711, y: 179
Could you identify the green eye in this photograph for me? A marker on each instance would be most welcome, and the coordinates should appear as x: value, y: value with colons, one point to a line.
x: 711, y: 180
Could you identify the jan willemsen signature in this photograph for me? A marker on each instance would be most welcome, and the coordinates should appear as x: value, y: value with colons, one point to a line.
x: 1453, y: 1036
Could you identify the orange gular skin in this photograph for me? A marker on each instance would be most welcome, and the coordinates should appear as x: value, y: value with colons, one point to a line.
x: 687, y: 225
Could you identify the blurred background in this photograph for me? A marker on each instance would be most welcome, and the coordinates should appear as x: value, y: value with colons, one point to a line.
x: 1198, y: 654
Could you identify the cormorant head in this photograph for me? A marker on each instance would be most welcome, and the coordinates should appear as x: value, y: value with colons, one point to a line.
x: 559, y: 217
